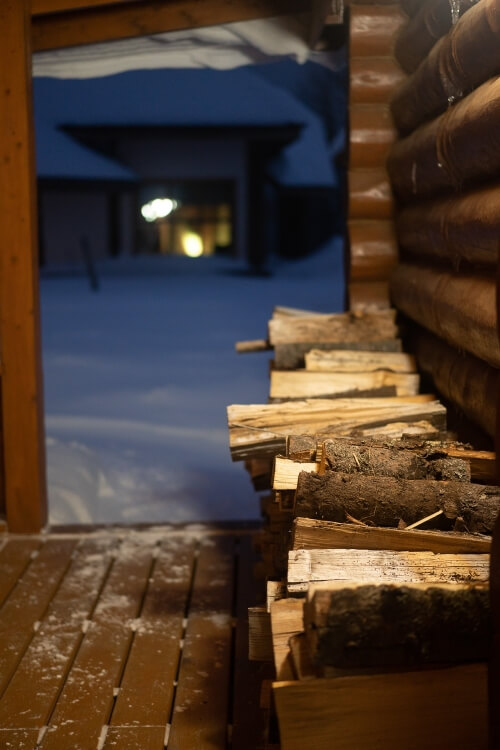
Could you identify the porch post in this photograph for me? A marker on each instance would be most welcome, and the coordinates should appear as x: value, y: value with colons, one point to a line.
x: 21, y: 374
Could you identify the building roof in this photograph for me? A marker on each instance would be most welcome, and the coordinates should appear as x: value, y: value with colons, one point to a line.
x: 203, y: 98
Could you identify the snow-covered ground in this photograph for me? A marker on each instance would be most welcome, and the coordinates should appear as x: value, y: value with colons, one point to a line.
x: 139, y: 374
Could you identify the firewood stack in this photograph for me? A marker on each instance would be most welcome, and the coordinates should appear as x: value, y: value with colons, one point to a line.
x: 375, y: 548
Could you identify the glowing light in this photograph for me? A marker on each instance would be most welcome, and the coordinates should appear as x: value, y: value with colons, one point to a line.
x: 158, y: 208
x: 192, y: 244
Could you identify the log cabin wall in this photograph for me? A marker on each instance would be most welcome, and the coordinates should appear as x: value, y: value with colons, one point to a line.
x: 445, y: 173
x: 374, y: 76
x: 429, y: 72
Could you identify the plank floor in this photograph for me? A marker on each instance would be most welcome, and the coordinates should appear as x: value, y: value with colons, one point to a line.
x: 126, y: 639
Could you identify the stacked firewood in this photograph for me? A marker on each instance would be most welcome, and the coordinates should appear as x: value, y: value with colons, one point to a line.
x: 375, y: 548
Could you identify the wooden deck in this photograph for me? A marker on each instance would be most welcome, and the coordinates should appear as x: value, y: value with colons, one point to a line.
x: 128, y: 640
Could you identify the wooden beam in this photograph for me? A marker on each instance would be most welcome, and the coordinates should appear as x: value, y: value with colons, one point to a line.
x: 40, y: 7
x: 21, y: 385
x: 132, y: 19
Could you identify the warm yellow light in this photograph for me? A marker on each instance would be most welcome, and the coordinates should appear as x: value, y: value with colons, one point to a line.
x: 192, y: 244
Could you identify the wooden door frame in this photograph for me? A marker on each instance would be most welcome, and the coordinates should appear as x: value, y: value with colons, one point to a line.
x: 27, y: 26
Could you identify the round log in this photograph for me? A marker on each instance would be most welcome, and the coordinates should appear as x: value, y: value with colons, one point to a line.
x: 385, y: 501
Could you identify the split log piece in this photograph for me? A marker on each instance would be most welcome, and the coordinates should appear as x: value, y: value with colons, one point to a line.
x: 256, y: 345
x: 292, y: 356
x: 355, y: 361
x: 275, y: 590
x: 287, y: 619
x: 280, y: 311
x: 303, y: 667
x: 432, y: 709
x: 286, y: 472
x: 306, y: 384
x: 354, y: 625
x: 257, y: 430
x: 380, y: 566
x: 385, y: 501
x: 337, y: 328
x: 260, y: 644
x: 311, y: 533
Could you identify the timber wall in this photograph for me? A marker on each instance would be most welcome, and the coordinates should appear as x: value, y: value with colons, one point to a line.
x: 373, y: 77
x: 444, y: 167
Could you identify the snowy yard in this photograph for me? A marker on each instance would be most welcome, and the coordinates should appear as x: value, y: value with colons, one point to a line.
x: 138, y: 377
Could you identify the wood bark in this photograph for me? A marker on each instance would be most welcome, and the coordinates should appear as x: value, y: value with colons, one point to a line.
x: 441, y: 302
x: 372, y: 458
x: 306, y: 567
x: 257, y: 430
x: 482, y: 464
x: 311, y: 533
x: 352, y: 626
x: 458, y: 228
x: 457, y: 149
x: 385, y: 501
x: 459, y: 62
x: 466, y: 381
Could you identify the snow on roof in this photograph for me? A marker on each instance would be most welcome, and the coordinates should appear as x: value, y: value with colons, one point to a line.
x: 221, y: 47
x: 60, y: 156
x: 179, y: 98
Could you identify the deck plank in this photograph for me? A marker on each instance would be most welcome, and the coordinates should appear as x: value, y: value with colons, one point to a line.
x: 33, y: 690
x: 147, y: 687
x: 202, y: 699
x: 249, y: 724
x: 18, y: 739
x: 135, y: 738
x: 15, y: 556
x: 28, y: 602
x: 87, y: 698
